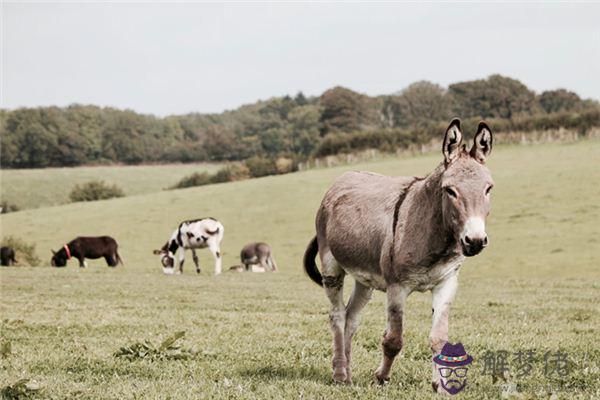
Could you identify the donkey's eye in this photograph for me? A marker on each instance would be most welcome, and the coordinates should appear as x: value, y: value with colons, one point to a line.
x: 488, y: 190
x: 451, y: 192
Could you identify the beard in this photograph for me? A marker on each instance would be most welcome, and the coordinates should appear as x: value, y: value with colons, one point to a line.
x: 453, y: 386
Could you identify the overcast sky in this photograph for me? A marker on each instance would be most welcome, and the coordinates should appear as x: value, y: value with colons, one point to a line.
x: 178, y: 58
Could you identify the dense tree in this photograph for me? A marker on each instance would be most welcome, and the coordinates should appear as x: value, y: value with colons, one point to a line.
x: 342, y: 110
x: 494, y: 97
x: 290, y: 127
x: 420, y: 103
x: 558, y: 100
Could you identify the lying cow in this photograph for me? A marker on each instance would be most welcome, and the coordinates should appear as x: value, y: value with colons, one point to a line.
x: 258, y: 253
x: 7, y: 256
x: 193, y: 234
x: 91, y: 247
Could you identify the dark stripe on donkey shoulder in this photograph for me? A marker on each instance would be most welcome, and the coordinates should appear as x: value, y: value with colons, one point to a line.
x: 397, y: 212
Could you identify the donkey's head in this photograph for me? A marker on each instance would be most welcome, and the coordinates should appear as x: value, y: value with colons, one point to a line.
x: 466, y: 184
x: 59, y: 258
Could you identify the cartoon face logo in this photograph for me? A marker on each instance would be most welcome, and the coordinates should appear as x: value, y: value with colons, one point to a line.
x: 451, y: 367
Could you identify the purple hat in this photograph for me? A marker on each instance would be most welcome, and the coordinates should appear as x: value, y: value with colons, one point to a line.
x: 453, y: 355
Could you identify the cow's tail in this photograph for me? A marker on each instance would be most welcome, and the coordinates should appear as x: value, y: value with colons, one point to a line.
x: 119, y: 259
x: 310, y: 266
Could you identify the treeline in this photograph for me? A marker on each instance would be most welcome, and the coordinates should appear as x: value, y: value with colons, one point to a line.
x: 295, y: 127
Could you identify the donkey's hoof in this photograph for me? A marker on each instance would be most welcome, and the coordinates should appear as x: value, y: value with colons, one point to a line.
x: 340, y: 375
x: 381, y: 379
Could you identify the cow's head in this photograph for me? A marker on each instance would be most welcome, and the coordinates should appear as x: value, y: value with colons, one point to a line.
x: 59, y: 258
x: 466, y: 187
x: 167, y: 259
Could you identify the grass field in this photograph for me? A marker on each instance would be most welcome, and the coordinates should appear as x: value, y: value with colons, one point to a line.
x: 266, y: 335
x: 32, y: 188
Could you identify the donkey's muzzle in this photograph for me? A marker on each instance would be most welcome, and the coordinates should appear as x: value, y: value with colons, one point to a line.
x: 473, y: 246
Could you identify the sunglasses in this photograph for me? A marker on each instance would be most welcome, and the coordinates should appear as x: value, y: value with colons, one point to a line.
x: 447, y: 372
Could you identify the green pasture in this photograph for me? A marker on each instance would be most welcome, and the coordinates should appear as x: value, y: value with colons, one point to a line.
x: 256, y: 336
x: 32, y: 188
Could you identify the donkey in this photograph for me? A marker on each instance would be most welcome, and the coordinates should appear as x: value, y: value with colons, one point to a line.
x: 258, y: 253
x: 192, y: 234
x: 7, y: 256
x: 92, y: 247
x: 399, y: 235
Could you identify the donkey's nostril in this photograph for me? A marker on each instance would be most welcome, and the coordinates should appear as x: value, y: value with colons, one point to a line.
x: 485, y: 241
x: 468, y: 240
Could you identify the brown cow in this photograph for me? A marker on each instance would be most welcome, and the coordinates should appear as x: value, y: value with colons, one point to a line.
x: 88, y: 247
x: 399, y: 235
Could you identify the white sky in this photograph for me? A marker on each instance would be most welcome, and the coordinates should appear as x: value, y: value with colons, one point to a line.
x: 176, y: 58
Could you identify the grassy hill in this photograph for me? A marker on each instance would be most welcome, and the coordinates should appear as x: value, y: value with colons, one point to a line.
x: 267, y: 335
x: 32, y: 188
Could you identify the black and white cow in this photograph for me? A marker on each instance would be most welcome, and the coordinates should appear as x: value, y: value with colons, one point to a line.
x: 193, y: 234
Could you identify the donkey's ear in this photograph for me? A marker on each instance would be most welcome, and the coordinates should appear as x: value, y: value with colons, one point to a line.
x: 482, y: 144
x: 452, y: 141
x: 53, y: 252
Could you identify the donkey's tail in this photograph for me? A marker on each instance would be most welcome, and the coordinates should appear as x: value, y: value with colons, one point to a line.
x: 309, y: 262
x: 119, y: 259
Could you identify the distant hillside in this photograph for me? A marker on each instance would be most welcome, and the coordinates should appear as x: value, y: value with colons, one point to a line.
x: 297, y: 127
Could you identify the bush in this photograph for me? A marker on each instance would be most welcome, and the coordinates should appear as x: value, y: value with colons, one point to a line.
x: 231, y: 173
x: 195, y: 179
x: 95, y: 190
x: 285, y: 165
x: 24, y: 252
x: 8, y: 207
x: 259, y: 166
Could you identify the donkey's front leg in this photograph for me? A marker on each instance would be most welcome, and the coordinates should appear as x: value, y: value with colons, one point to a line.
x: 392, y: 338
x: 443, y: 295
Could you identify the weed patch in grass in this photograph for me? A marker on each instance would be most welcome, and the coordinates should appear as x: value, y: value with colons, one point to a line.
x: 167, y: 350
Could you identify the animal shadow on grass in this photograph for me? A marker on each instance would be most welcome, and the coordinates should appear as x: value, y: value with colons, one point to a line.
x: 288, y: 373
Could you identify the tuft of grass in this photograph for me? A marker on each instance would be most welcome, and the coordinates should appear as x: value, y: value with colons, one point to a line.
x: 6, y: 207
x: 166, y: 350
x: 22, y: 389
x: 5, y: 348
x: 24, y: 252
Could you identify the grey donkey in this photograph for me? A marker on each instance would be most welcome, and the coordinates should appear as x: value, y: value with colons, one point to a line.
x: 399, y: 235
x: 258, y: 253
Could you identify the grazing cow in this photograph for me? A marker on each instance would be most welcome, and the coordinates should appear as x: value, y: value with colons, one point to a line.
x: 258, y: 253
x: 399, y: 235
x: 91, y: 247
x: 193, y: 234
x: 7, y: 256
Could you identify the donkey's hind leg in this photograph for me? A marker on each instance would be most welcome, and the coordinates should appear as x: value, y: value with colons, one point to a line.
x: 333, y: 281
x: 358, y: 300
